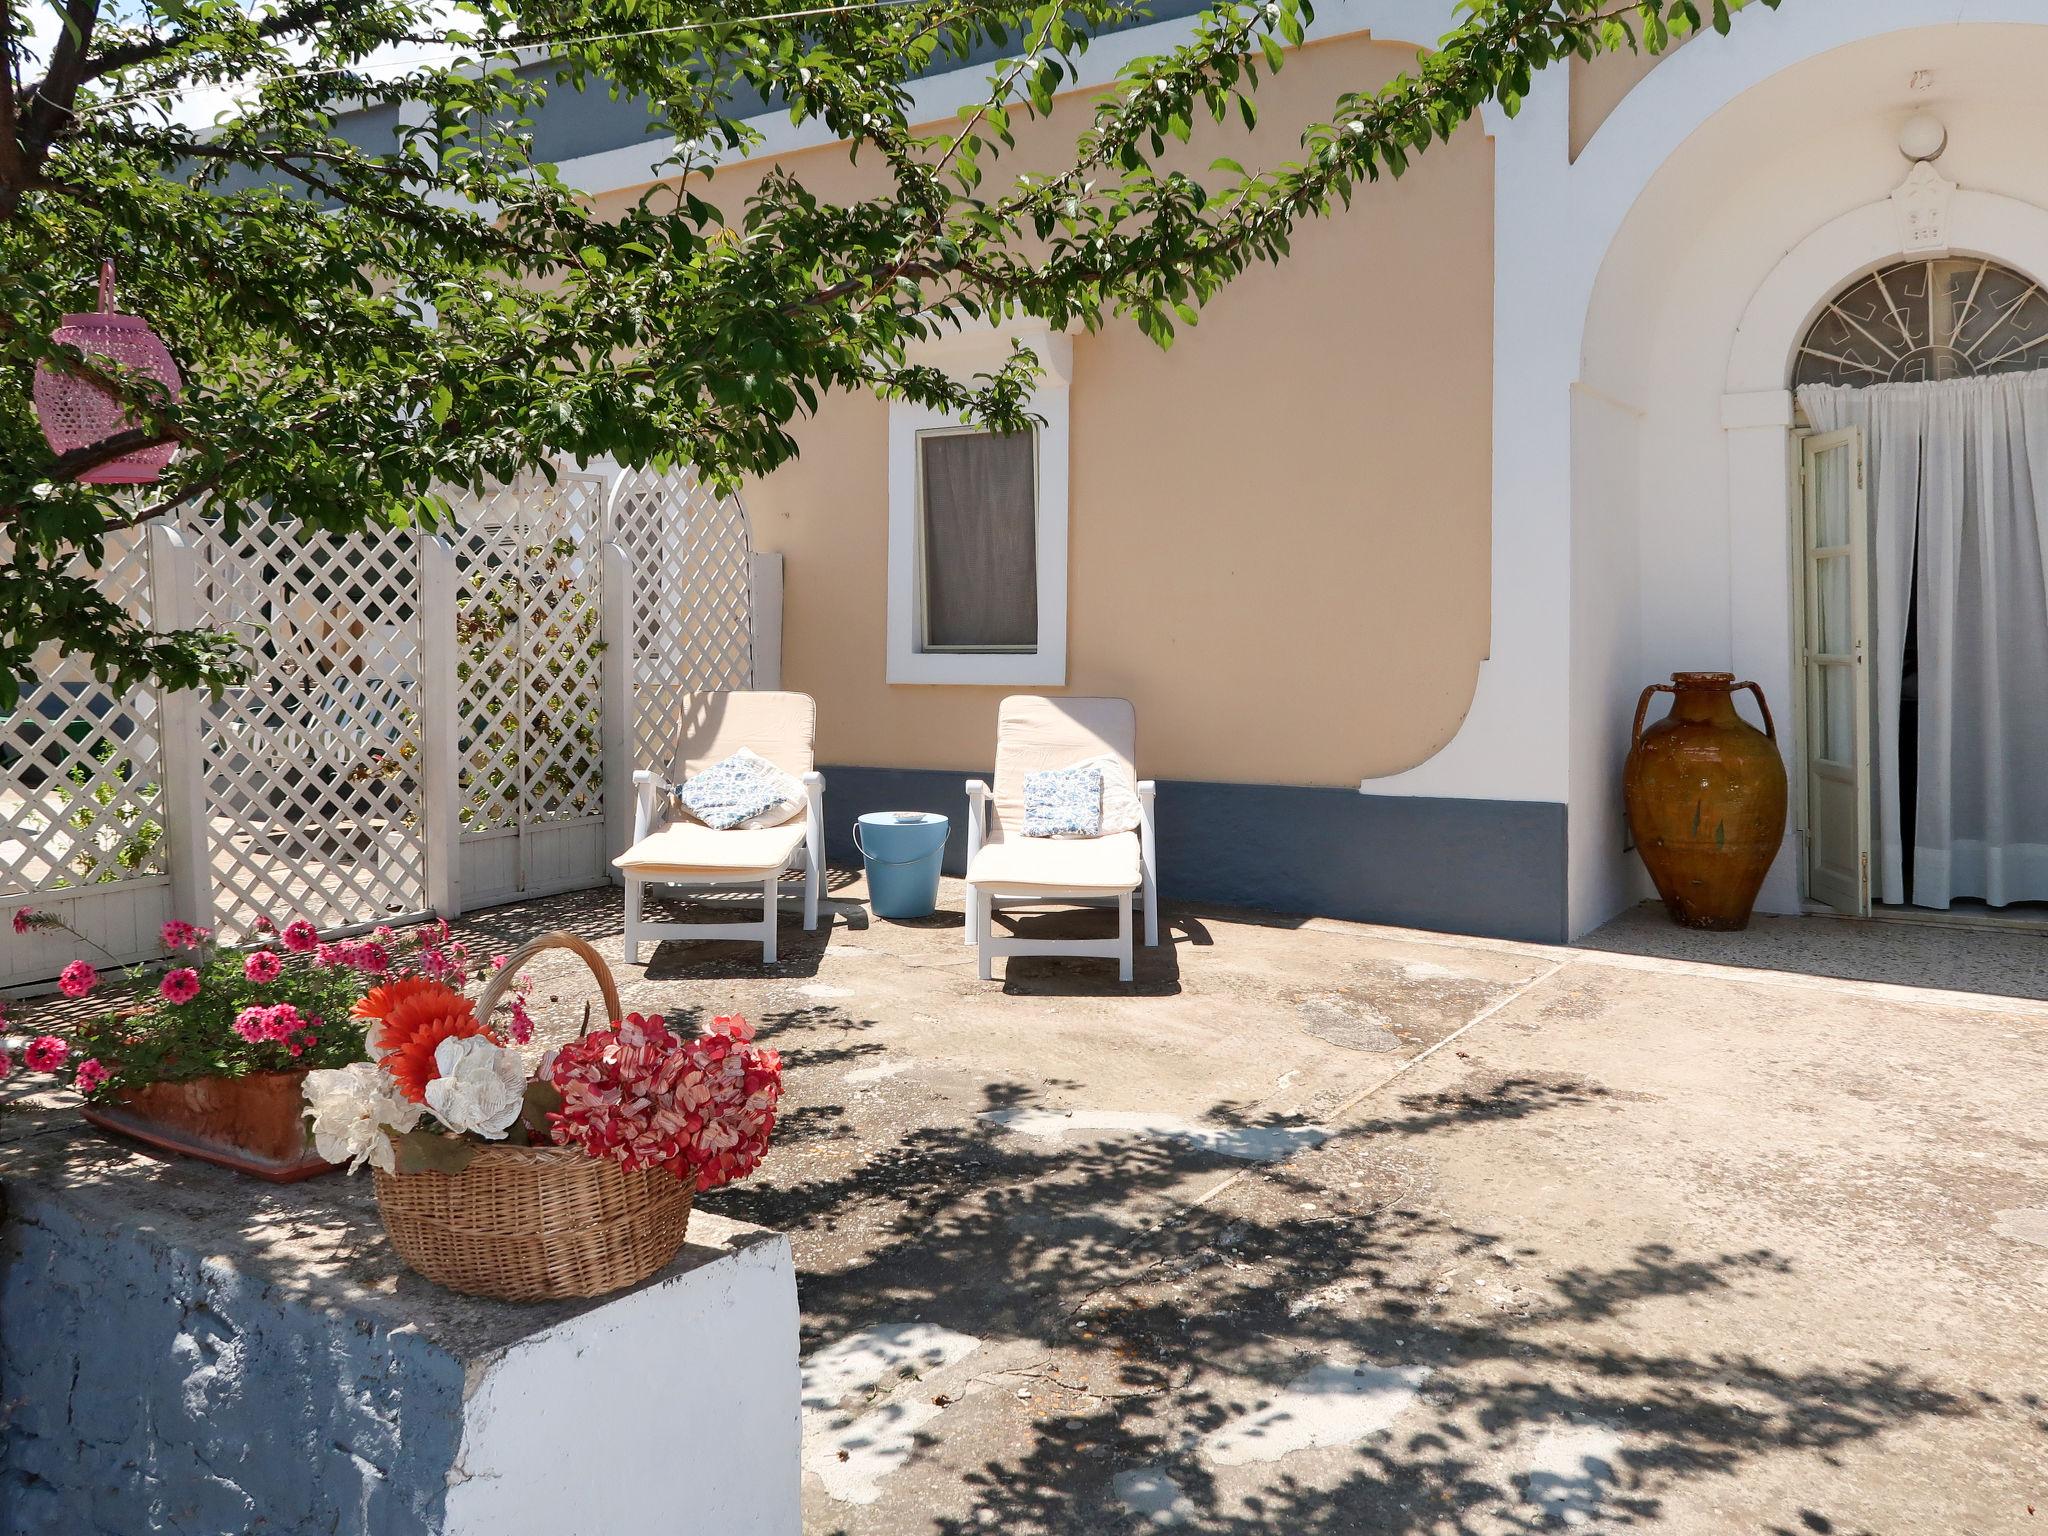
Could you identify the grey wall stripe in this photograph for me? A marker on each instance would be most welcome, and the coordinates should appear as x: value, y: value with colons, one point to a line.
x: 1493, y: 867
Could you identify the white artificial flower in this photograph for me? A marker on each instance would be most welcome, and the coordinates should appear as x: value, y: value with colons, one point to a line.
x: 481, y: 1086
x: 353, y: 1107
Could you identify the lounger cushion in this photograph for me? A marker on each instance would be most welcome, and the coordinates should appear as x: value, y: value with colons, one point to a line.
x: 1069, y: 866
x: 1033, y: 733
x: 782, y: 727
x: 687, y: 848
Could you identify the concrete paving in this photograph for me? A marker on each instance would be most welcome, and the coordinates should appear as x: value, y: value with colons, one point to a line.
x: 1320, y: 1228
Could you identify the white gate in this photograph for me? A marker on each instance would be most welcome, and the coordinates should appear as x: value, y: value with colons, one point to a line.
x: 429, y: 722
x: 529, y: 671
x: 690, y: 608
x: 82, y: 803
x: 315, y: 799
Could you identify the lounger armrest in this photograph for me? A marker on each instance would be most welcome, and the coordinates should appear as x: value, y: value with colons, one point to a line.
x: 978, y: 796
x: 646, y: 785
x: 1148, y: 791
x: 814, y: 802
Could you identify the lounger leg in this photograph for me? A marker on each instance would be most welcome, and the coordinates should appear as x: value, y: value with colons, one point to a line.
x: 812, y: 859
x: 981, y: 918
x: 1151, y: 909
x: 632, y: 919
x: 770, y: 904
x: 973, y: 935
x: 1123, y: 933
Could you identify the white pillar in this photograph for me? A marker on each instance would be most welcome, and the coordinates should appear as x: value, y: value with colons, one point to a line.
x: 764, y: 587
x: 188, y: 842
x: 1760, y: 522
x: 440, y: 727
x: 616, y: 700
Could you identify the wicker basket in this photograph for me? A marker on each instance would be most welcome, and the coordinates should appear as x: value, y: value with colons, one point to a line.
x: 537, y: 1223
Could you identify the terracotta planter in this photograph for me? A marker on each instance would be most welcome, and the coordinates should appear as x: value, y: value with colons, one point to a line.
x: 1705, y: 792
x: 254, y: 1124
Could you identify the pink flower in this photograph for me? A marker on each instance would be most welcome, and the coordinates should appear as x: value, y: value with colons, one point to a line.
x: 300, y: 936
x: 91, y: 1074
x: 264, y: 925
x: 77, y: 979
x: 275, y: 1024
x: 24, y: 919
x: 371, y: 959
x: 179, y: 986
x: 499, y: 962
x: 263, y: 966
x: 45, y: 1053
x: 386, y: 932
x: 179, y: 935
x: 6, y: 1065
x: 521, y: 1027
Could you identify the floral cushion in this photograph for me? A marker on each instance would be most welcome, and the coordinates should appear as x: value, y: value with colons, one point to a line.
x: 1063, y: 802
x: 744, y: 790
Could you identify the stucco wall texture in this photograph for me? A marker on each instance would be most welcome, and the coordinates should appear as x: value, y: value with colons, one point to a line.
x: 1279, y: 530
x: 149, y: 1388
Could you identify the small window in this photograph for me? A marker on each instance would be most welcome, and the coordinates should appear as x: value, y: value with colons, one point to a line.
x: 978, y: 526
x: 977, y: 542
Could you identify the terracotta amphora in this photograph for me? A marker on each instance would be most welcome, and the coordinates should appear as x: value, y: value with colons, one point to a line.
x: 1705, y: 792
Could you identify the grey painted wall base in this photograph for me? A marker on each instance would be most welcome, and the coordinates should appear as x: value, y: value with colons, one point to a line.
x: 1492, y: 867
x: 183, y: 1350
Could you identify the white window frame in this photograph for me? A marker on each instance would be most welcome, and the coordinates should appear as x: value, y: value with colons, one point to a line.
x: 964, y: 355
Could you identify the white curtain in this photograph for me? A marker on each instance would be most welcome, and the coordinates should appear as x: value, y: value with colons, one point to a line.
x: 1957, y: 474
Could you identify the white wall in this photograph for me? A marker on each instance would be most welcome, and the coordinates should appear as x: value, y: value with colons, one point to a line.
x: 1808, y: 147
x: 1606, y: 647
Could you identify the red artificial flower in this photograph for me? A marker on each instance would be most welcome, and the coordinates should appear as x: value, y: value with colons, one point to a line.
x: 704, y: 1109
x: 77, y: 979
x: 179, y: 986
x: 91, y: 1075
x: 45, y: 1053
x: 300, y: 936
x: 262, y: 967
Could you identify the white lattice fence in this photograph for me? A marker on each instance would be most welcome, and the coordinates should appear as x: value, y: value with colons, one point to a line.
x: 528, y: 669
x: 81, y: 800
x: 314, y: 791
x: 690, y: 612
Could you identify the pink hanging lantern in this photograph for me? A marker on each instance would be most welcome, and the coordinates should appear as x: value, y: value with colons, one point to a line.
x: 76, y: 413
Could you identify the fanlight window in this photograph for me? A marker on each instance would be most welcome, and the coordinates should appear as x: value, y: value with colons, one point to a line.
x: 1917, y: 320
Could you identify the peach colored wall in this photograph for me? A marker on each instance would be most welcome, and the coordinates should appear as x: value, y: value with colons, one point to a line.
x: 1279, y: 529
x: 1597, y: 86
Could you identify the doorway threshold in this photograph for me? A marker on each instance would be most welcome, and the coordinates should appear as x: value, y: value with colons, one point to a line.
x: 2032, y: 916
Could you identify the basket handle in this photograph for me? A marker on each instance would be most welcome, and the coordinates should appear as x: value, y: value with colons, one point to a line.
x: 560, y: 938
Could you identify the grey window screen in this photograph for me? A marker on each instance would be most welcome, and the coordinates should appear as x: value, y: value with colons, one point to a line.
x: 979, y: 538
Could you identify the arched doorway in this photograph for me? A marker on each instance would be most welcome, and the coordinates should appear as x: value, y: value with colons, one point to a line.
x: 1922, y: 628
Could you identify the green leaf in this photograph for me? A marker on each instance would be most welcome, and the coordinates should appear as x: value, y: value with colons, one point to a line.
x: 428, y: 1151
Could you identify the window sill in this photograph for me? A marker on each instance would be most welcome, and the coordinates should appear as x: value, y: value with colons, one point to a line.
x: 987, y: 669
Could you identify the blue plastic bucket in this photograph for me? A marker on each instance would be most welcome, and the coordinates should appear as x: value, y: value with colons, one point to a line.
x: 902, y: 850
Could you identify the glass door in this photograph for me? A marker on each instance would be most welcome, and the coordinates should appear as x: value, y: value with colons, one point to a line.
x: 1835, y: 640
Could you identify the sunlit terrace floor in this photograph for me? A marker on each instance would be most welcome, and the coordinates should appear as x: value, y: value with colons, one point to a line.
x: 1319, y: 1227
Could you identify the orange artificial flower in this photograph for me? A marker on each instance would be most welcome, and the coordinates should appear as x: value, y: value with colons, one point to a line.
x: 381, y: 1000
x: 416, y: 1020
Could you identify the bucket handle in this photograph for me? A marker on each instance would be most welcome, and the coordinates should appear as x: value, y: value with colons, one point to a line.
x: 891, y: 863
x: 1770, y: 725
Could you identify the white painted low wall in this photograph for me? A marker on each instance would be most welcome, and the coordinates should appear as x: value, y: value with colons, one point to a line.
x: 673, y: 1409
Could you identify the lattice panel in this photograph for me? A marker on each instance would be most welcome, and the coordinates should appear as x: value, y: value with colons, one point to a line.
x: 528, y: 663
x: 691, y: 603
x: 312, y: 766
x: 80, y: 799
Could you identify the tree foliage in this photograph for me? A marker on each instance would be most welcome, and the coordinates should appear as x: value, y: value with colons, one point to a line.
x: 363, y: 325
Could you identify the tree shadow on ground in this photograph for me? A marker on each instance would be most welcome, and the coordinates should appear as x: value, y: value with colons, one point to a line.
x: 1159, y: 1325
